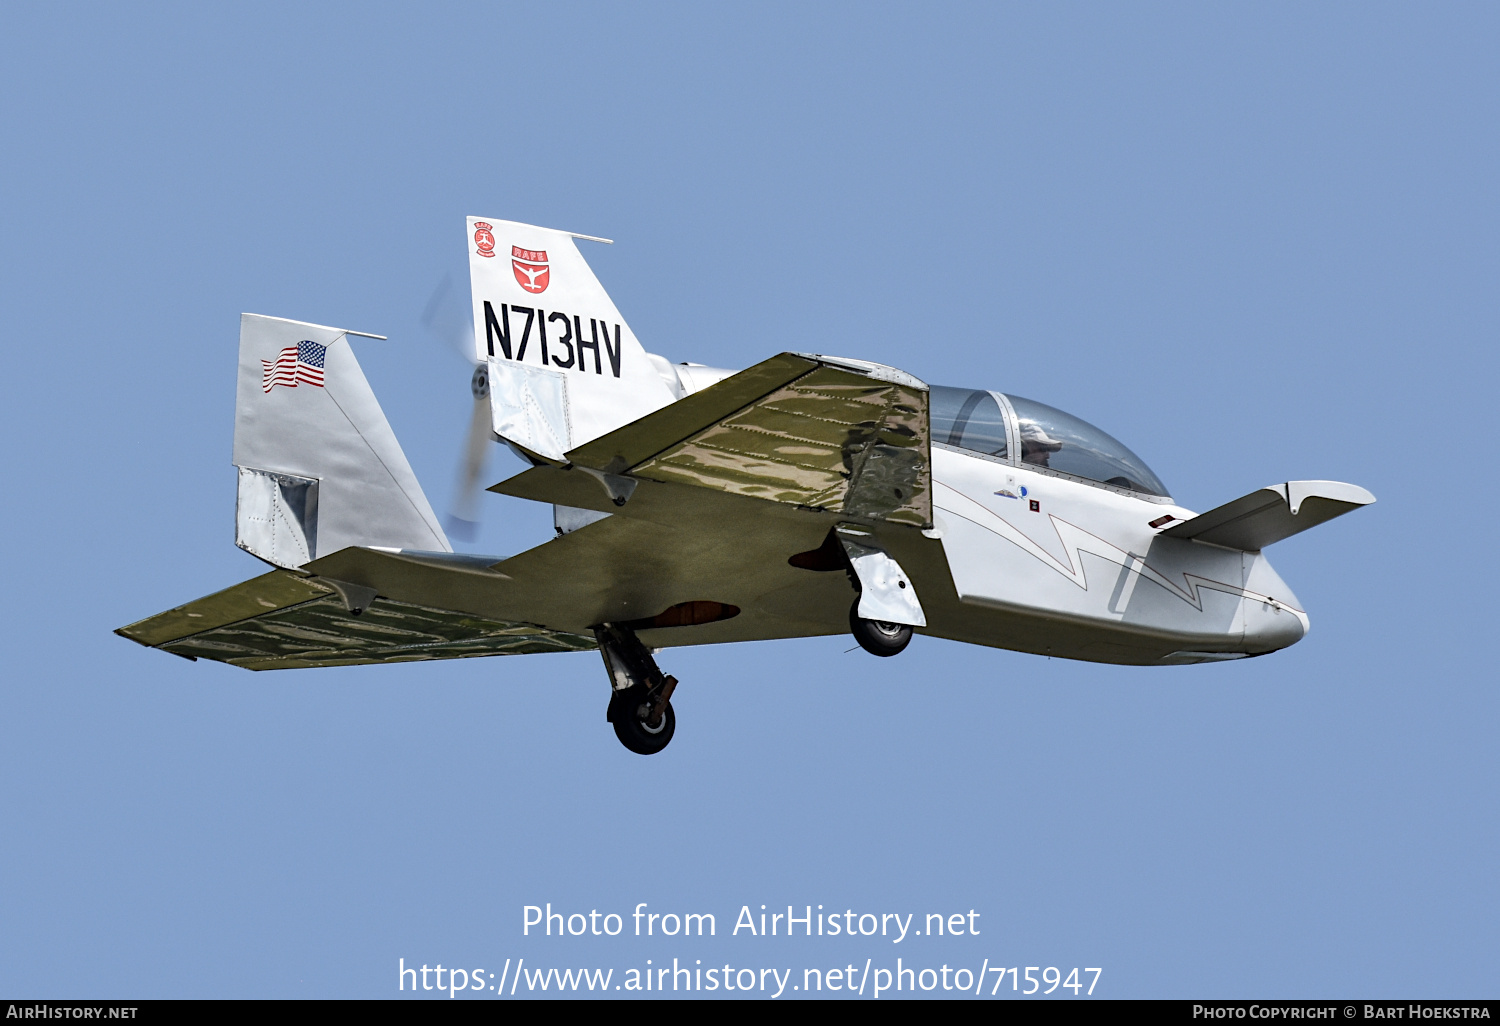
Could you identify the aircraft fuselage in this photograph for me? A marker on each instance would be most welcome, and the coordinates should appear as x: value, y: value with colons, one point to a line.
x: 1068, y: 557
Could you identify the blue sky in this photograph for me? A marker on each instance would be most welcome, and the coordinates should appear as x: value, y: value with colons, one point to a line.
x: 1254, y: 243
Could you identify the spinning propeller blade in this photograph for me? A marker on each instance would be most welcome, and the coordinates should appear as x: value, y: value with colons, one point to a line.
x: 463, y: 521
x: 448, y: 320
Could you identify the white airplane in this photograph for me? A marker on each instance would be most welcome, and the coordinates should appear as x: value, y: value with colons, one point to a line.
x: 806, y: 495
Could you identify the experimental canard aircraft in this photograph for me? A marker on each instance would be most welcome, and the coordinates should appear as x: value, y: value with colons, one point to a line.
x: 806, y: 495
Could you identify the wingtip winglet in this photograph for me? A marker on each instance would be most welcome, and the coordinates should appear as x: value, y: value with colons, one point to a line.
x: 1334, y: 491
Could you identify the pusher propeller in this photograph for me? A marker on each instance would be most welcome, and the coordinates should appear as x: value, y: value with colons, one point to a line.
x: 448, y: 320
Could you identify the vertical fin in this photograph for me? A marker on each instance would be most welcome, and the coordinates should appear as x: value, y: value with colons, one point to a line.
x: 564, y: 366
x: 319, y: 467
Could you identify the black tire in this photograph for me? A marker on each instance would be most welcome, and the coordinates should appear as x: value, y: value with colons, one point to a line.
x: 876, y: 636
x: 626, y: 714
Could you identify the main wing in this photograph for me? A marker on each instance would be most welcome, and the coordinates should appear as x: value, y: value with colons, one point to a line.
x: 709, y: 498
x: 834, y: 436
x: 282, y: 621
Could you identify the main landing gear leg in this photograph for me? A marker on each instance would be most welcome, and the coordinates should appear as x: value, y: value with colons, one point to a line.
x: 640, y: 706
x: 887, y: 609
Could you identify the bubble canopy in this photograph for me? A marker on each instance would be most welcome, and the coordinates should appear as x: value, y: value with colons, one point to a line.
x: 968, y: 419
x: 1048, y: 437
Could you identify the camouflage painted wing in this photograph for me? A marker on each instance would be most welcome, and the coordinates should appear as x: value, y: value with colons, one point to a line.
x: 723, y: 487
x: 826, y: 435
x: 281, y: 620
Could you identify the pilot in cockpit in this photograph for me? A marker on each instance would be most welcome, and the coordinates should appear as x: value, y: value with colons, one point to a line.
x: 1037, y: 446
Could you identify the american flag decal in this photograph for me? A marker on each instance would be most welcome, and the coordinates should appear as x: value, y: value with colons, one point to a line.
x: 301, y: 364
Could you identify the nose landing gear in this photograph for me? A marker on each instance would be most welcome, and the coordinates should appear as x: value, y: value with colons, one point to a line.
x: 640, y: 707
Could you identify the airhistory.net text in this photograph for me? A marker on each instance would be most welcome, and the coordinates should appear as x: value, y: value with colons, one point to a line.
x: 809, y: 922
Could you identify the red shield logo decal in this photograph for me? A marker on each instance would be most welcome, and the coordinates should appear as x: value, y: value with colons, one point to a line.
x: 484, y: 239
x: 530, y: 265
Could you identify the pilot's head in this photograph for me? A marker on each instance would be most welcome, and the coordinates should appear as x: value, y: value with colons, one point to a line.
x: 1037, y: 446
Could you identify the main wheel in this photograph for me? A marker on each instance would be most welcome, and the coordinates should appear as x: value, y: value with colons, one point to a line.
x: 628, y: 710
x: 876, y: 636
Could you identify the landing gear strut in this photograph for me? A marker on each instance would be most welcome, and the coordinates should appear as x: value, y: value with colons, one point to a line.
x: 640, y: 706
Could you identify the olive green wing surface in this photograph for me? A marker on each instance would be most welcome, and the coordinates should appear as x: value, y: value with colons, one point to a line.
x: 281, y: 620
